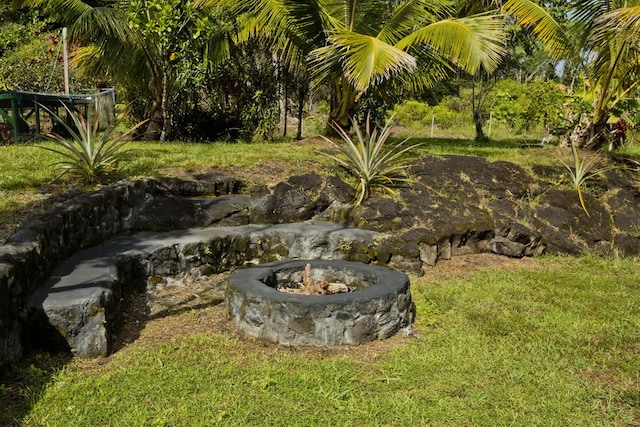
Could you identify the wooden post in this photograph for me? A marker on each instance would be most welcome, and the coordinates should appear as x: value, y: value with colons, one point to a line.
x: 37, y: 111
x: 65, y: 56
x: 16, y: 125
x: 433, y: 123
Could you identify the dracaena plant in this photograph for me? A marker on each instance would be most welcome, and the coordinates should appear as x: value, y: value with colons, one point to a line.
x: 371, y: 157
x: 87, y: 151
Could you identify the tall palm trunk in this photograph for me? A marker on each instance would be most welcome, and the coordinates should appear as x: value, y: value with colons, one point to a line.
x: 343, y: 101
x: 154, y: 114
x: 303, y: 90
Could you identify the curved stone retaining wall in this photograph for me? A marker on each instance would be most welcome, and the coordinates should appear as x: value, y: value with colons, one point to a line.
x: 79, y: 305
x: 28, y: 256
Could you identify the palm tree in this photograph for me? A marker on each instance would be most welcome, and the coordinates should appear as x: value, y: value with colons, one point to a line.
x: 354, y: 45
x: 610, y: 51
x: 541, y: 25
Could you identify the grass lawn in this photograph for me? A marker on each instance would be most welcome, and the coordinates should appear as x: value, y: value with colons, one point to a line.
x: 546, y: 342
x: 535, y: 342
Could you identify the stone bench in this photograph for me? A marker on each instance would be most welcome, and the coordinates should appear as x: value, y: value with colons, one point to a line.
x: 79, y: 305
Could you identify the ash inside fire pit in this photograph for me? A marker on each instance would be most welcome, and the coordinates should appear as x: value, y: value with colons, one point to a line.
x: 268, y: 301
x: 320, y: 281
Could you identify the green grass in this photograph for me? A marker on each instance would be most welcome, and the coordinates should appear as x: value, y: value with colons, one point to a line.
x: 516, y: 151
x: 27, y: 176
x: 149, y: 158
x: 557, y: 346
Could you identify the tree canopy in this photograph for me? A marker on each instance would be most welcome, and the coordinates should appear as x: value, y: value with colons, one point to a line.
x: 181, y: 61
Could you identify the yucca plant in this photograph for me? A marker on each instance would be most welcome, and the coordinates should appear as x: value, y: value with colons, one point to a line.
x: 371, y: 158
x: 88, y: 152
x: 582, y: 170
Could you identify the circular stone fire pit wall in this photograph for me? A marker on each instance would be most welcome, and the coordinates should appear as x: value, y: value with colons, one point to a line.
x: 379, y: 306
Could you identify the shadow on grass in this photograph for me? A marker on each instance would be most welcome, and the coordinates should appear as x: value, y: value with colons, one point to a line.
x: 136, y: 313
x: 22, y: 384
x: 471, y: 146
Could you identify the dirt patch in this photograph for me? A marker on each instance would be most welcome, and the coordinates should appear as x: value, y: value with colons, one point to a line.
x: 468, y: 265
x: 173, y: 308
x: 197, y: 306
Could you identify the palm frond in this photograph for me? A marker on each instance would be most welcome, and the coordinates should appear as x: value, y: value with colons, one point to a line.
x: 531, y: 15
x: 367, y: 60
x: 626, y: 19
x: 408, y: 16
x: 325, y: 63
x: 66, y: 9
x: 271, y: 16
x: 620, y: 24
x: 106, y: 21
x: 472, y: 42
x: 431, y: 68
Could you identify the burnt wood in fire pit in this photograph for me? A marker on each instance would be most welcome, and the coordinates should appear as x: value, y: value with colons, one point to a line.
x: 379, y: 308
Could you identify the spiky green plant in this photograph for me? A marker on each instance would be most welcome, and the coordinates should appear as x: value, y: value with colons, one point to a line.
x: 582, y: 170
x: 88, y: 152
x: 371, y: 158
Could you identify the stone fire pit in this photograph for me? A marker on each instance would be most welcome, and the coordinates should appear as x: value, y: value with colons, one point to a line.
x: 377, y: 304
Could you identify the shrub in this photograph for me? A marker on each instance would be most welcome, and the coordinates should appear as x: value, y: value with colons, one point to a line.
x: 446, y: 118
x: 37, y: 66
x: 449, y: 113
x: 523, y: 106
x: 413, y: 113
x: 87, y: 152
x: 370, y: 158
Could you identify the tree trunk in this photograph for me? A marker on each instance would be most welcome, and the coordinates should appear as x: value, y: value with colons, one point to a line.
x: 302, y: 96
x: 477, y: 120
x: 302, y: 86
x: 596, y: 135
x: 343, y: 101
x: 154, y: 114
x: 164, y: 110
x: 286, y: 108
x: 476, y: 105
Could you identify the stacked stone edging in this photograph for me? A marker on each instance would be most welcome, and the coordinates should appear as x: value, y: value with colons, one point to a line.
x: 29, y: 255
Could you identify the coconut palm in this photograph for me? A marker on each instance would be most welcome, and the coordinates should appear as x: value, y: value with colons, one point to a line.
x: 610, y: 52
x: 517, y: 14
x: 354, y: 45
